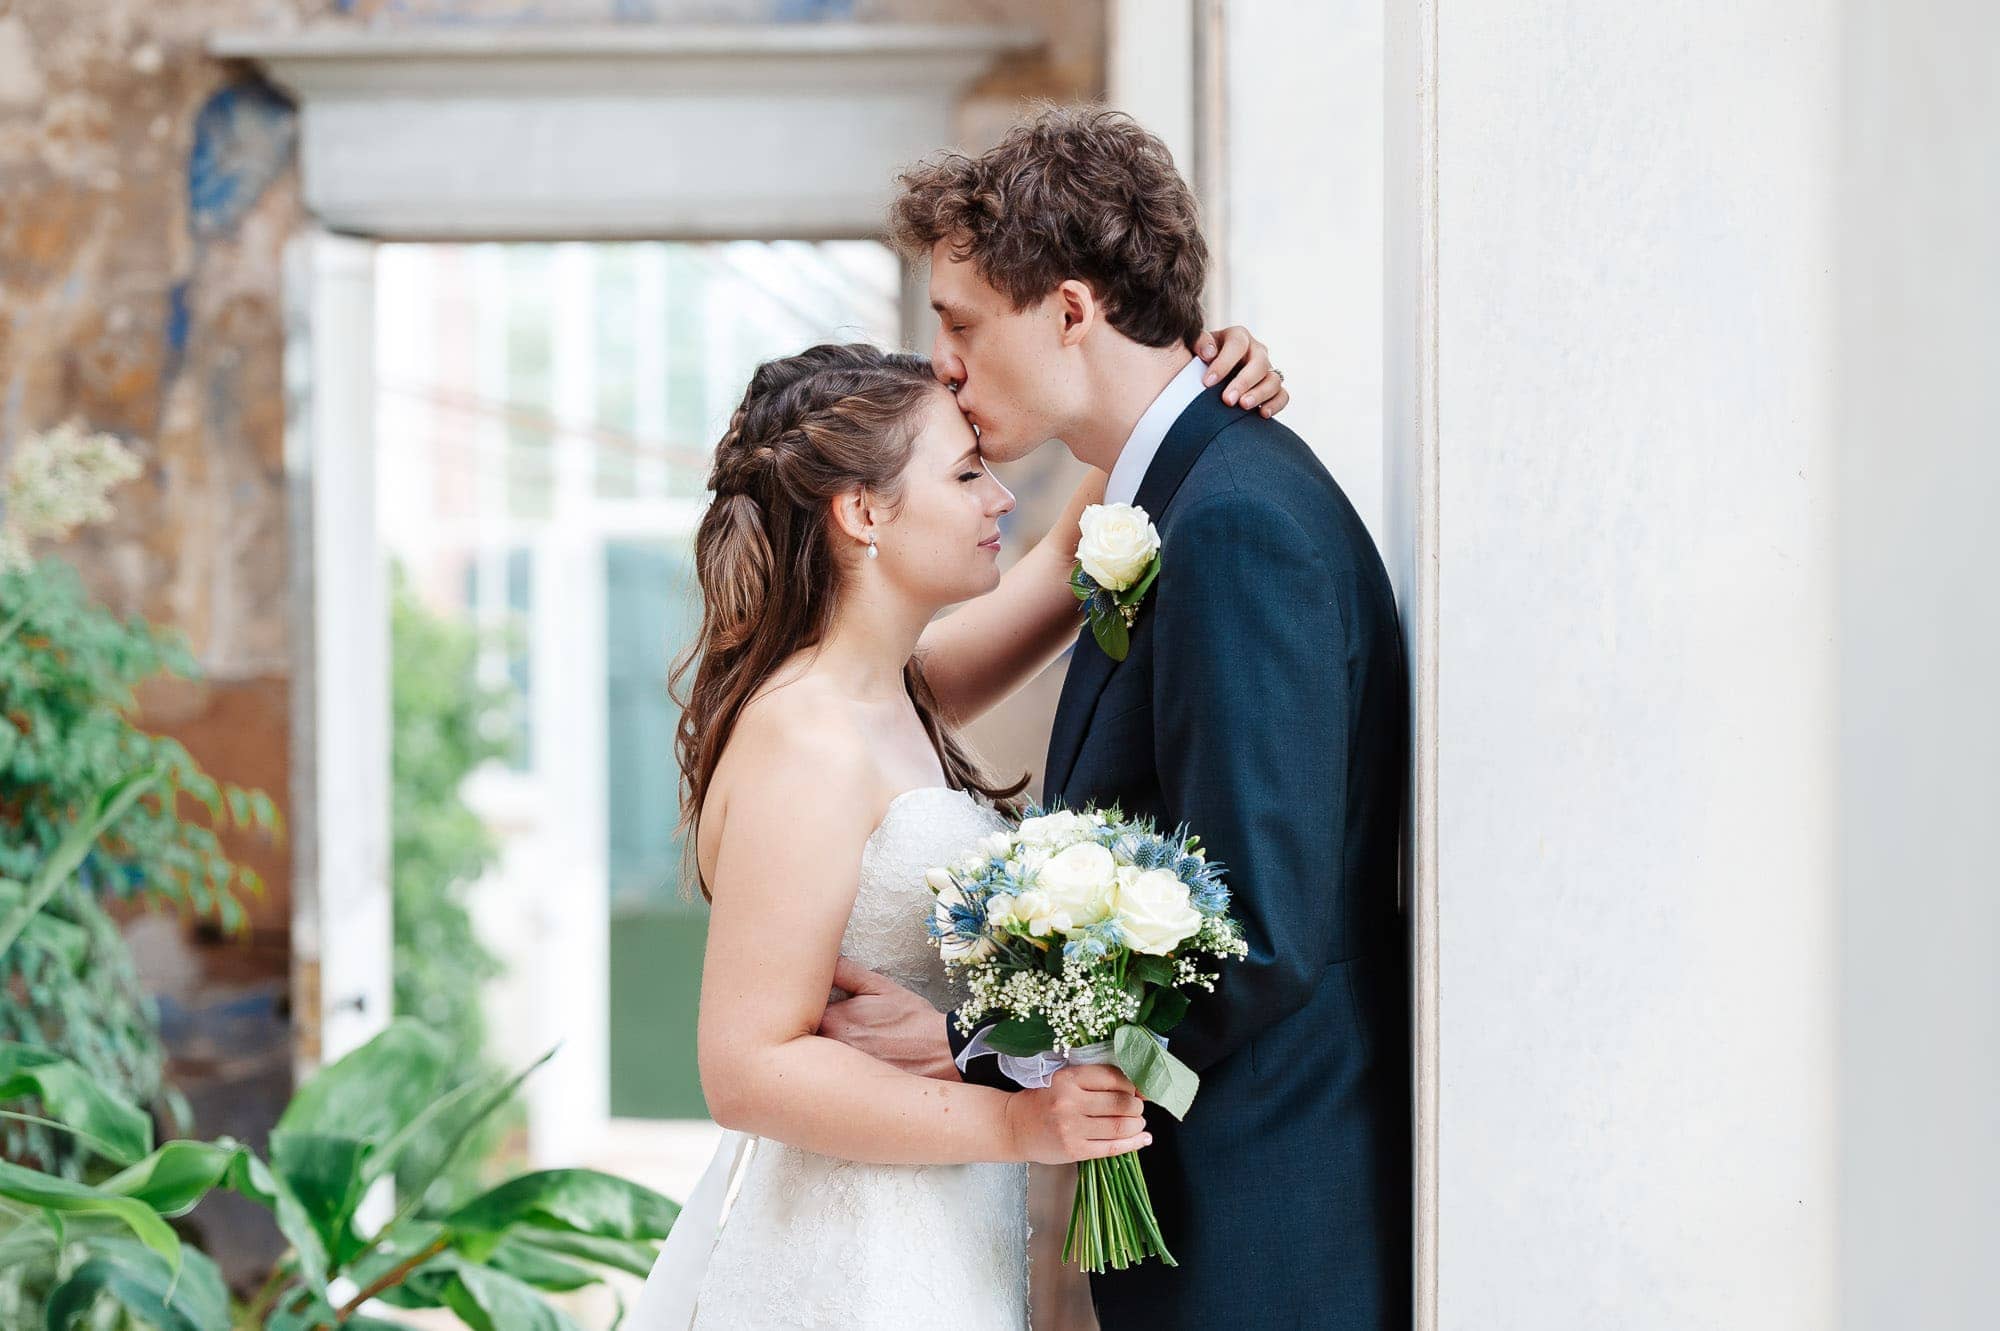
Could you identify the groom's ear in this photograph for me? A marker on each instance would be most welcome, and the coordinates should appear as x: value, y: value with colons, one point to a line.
x: 1079, y: 308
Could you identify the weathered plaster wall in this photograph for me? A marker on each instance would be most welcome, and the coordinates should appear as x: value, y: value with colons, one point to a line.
x: 146, y: 195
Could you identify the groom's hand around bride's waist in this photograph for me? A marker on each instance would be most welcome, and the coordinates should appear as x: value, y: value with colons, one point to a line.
x: 884, y: 1020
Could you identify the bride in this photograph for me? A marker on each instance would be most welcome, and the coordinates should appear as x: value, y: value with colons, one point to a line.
x: 821, y: 776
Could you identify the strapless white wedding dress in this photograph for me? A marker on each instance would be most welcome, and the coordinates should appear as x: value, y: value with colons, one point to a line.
x: 813, y: 1243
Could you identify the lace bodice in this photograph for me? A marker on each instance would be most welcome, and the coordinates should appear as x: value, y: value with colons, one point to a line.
x: 922, y: 828
x: 810, y: 1242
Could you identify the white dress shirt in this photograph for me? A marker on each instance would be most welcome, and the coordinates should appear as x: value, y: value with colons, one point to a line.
x: 1151, y: 431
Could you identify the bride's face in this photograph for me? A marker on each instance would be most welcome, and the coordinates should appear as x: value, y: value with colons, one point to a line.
x: 942, y: 543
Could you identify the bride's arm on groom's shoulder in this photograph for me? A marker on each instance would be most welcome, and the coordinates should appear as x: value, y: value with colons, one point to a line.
x: 1233, y: 354
x: 803, y: 803
x: 988, y: 649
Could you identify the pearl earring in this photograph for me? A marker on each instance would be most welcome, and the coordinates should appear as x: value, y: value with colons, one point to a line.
x: 873, y: 553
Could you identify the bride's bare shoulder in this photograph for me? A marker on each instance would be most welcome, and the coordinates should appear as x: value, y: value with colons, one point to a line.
x: 799, y: 742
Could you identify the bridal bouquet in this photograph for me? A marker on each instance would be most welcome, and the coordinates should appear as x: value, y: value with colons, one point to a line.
x: 1081, y: 935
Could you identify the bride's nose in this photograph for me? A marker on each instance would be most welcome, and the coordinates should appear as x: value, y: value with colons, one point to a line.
x: 1005, y: 502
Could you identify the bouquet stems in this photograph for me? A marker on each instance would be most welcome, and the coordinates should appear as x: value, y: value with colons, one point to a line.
x: 1111, y: 1222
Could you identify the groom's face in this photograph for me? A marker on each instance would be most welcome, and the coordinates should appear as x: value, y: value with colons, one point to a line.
x: 1006, y: 366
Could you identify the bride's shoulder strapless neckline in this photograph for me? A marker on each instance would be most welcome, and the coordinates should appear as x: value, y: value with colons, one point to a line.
x: 922, y: 828
x: 910, y: 794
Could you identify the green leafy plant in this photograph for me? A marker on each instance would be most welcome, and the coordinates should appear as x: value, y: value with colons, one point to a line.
x: 67, y: 673
x: 445, y: 723
x: 382, y: 1108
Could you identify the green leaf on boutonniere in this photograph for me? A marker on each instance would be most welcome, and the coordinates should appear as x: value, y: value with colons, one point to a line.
x: 1131, y: 595
x: 1111, y: 634
x: 1080, y: 582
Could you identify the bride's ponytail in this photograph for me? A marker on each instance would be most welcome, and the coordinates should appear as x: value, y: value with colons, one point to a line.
x: 735, y: 570
x: 810, y: 428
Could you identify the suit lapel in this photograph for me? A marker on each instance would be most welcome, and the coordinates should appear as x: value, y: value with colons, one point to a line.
x: 1089, y: 668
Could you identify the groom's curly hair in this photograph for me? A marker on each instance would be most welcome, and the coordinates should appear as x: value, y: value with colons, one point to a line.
x: 1076, y: 192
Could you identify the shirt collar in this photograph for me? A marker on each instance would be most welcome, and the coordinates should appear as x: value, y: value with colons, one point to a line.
x: 1151, y: 432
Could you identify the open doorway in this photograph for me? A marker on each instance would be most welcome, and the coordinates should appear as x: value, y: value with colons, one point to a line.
x: 543, y: 419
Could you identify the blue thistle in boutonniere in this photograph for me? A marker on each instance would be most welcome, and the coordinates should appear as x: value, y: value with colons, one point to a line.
x: 1116, y: 562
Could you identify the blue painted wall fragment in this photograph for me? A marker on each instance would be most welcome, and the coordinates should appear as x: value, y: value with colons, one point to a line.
x: 177, y: 318
x: 243, y: 138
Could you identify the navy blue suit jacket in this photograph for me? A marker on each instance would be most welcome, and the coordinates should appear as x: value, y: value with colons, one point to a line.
x: 1264, y: 702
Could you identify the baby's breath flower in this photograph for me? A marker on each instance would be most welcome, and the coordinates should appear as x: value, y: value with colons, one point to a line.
x: 55, y: 482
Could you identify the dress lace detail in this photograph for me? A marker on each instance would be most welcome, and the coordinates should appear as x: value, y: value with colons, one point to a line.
x: 812, y: 1242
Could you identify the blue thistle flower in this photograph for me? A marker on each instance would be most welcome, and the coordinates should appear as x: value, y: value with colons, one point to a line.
x: 1210, y: 899
x: 1085, y: 949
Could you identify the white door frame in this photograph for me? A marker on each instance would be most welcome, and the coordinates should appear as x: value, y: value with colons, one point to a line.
x: 509, y: 134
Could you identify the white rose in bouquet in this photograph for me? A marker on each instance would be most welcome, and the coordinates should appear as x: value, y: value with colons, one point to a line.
x: 1041, y: 915
x: 1054, y: 831
x: 1079, y: 883
x: 1118, y: 543
x: 1154, y: 912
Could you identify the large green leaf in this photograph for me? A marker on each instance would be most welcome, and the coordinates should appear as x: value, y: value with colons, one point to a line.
x: 580, y: 1200
x: 374, y: 1092
x: 144, y: 1283
x: 325, y: 1173
x: 176, y: 1176
x: 70, y: 1096
x: 63, y: 1197
x: 254, y: 1179
x: 488, y: 1300
x: 444, y: 1126
x: 537, y: 1266
x: 633, y: 1256
x: 1160, y: 1077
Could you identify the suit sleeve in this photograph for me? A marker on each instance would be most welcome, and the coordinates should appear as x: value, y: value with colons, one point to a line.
x: 1251, y: 742
x: 982, y: 1070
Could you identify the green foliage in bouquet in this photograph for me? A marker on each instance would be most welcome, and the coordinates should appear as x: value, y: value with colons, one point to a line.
x: 106, y: 1247
x: 67, y: 746
x: 445, y: 724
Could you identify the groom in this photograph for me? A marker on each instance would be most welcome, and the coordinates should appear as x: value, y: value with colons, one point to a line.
x: 1262, y: 702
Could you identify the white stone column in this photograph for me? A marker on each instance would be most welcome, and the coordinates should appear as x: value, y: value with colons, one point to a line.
x: 1301, y: 168
x: 1612, y: 338
x: 1918, y: 403
x: 1287, y: 98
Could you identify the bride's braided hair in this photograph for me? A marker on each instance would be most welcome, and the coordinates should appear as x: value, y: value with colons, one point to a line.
x: 810, y: 428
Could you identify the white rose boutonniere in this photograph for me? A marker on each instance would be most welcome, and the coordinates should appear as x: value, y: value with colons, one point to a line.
x: 1116, y: 561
